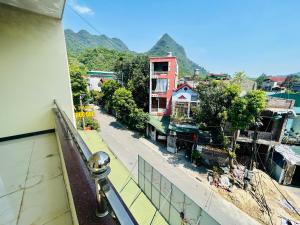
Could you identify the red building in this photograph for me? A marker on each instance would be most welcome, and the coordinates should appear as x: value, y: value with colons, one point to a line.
x: 163, y: 75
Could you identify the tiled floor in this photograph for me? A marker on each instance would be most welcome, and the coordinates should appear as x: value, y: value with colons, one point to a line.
x: 32, y: 188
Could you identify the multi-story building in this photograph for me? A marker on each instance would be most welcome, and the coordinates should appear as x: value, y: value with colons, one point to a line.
x: 163, y: 76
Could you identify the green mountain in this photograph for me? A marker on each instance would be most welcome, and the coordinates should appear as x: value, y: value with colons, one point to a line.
x: 78, y: 42
x: 167, y: 44
x: 82, y: 43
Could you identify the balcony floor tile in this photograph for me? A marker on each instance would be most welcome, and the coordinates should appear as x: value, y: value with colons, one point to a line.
x: 32, y: 188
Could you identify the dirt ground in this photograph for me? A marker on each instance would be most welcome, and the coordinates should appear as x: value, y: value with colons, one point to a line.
x: 254, y: 206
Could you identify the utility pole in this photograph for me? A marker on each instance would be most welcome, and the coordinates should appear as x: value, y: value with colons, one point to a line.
x: 81, y: 109
x: 249, y: 171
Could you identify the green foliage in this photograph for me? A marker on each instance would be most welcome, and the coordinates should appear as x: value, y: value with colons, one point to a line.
x: 261, y: 79
x: 123, y: 103
x: 291, y: 80
x: 126, y: 110
x: 138, y: 119
x: 186, y: 66
x: 84, y: 43
x: 134, y: 72
x: 245, y: 111
x: 238, y: 77
x: 89, y: 122
x: 102, y: 59
x: 78, y: 83
x: 256, y: 102
x: 196, y: 155
x: 78, y: 42
x: 96, y: 97
x: 108, y: 89
x: 216, y: 99
x: 232, y: 154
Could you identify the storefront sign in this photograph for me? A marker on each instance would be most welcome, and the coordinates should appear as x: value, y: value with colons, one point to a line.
x: 84, y: 114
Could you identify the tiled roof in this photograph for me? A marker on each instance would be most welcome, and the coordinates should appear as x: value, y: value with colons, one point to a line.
x: 184, y: 85
x: 276, y: 78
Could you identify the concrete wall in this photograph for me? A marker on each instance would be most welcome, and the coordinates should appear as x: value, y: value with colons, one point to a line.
x: 33, y: 71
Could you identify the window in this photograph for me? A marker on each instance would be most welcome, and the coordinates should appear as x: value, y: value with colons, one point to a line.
x: 161, y: 66
x: 160, y: 103
x: 159, y: 85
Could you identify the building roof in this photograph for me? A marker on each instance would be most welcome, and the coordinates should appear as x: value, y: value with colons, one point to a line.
x: 161, y: 123
x: 276, y: 78
x: 218, y: 75
x: 288, y: 153
x: 183, y: 85
x: 295, y: 97
x: 184, y: 128
x: 106, y: 74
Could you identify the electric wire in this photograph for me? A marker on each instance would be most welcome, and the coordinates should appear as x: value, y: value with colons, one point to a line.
x: 84, y: 20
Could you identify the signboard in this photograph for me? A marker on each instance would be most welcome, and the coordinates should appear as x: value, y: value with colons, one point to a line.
x: 79, y: 115
x: 170, y: 201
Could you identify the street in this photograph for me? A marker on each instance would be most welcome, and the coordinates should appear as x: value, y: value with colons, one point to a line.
x: 127, y: 145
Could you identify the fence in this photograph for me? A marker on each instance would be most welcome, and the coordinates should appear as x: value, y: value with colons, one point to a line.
x: 171, y: 202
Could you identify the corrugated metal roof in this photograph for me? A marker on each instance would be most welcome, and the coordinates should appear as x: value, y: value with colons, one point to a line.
x: 288, y: 153
x: 161, y: 123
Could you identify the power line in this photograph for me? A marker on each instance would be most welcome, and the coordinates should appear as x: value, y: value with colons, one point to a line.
x: 84, y: 20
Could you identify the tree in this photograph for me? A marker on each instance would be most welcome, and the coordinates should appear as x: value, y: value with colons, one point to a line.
x: 238, y: 77
x: 127, y: 111
x: 261, y: 79
x: 108, y: 89
x: 215, y: 100
x: 138, y: 119
x: 78, y: 83
x: 123, y: 104
x: 243, y: 113
x: 102, y: 59
x: 291, y: 80
x: 96, y: 96
x: 134, y: 74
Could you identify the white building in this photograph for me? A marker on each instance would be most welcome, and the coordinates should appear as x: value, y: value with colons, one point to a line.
x: 96, y: 78
x: 183, y: 100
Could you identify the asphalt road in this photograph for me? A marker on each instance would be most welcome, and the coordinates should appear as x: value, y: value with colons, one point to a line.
x: 127, y: 145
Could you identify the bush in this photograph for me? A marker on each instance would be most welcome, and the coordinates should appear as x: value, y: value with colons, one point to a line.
x: 138, y: 119
x: 96, y: 96
x: 89, y: 122
x: 127, y: 111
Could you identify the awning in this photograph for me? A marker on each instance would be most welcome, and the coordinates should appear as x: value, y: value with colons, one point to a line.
x: 161, y: 123
x: 184, y: 128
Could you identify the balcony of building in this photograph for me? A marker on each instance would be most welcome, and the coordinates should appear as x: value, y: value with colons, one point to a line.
x: 160, y: 68
x: 158, y: 105
x: 48, y: 175
x: 159, y: 86
x: 52, y: 177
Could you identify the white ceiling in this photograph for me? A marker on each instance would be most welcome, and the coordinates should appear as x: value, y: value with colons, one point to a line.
x: 52, y: 8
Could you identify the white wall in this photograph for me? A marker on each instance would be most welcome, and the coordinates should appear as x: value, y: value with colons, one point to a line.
x: 94, y: 83
x: 33, y: 71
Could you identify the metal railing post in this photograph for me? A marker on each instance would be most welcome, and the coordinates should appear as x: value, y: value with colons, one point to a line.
x: 98, y: 165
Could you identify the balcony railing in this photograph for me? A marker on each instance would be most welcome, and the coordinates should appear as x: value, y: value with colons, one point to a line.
x: 95, y: 199
x: 260, y: 135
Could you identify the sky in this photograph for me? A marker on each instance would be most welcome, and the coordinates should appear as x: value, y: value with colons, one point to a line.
x: 223, y: 36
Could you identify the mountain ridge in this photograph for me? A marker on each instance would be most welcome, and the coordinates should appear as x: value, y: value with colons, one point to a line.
x: 78, y: 42
x: 82, y: 40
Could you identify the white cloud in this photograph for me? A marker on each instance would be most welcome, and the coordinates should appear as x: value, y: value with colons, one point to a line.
x: 81, y: 9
